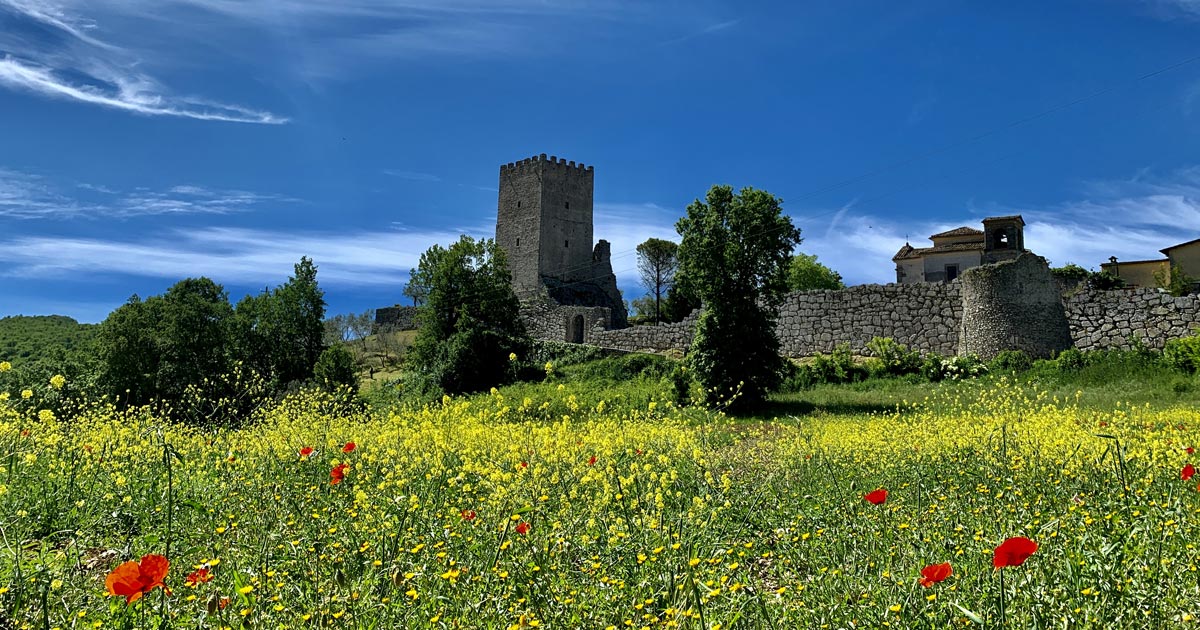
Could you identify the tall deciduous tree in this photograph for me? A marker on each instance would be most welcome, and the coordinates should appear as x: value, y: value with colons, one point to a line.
x: 159, y: 348
x: 470, y: 322
x: 735, y: 253
x: 657, y: 261
x: 806, y: 274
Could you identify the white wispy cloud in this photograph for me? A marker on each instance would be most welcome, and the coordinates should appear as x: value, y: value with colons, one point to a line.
x: 129, y: 92
x: 30, y: 196
x: 245, y: 257
x: 74, y: 63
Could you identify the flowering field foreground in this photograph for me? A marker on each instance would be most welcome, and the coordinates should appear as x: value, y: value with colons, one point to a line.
x: 500, y: 513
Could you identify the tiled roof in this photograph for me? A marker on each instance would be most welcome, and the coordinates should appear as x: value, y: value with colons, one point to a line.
x: 1005, y: 218
x: 908, y: 251
x: 958, y: 231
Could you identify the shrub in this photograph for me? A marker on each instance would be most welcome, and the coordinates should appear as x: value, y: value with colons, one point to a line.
x: 1070, y: 360
x: 895, y: 359
x: 1011, y: 361
x: 937, y: 368
x: 335, y: 368
x: 1183, y: 354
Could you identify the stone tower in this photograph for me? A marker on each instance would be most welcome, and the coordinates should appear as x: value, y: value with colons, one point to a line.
x: 544, y: 221
x: 1012, y: 305
x: 544, y: 224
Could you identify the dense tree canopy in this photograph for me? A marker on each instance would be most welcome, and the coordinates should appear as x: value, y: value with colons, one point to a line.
x: 735, y: 253
x: 806, y: 274
x: 190, y: 347
x: 470, y: 321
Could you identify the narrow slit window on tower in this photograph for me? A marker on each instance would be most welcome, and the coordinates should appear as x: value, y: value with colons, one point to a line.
x: 567, y: 205
x: 566, y: 243
x: 518, y: 242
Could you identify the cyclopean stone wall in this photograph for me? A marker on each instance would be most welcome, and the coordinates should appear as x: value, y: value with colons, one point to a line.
x: 923, y: 317
x: 1012, y: 305
x: 1102, y: 320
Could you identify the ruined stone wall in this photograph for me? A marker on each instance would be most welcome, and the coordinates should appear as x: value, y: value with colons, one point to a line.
x: 571, y: 324
x: 1102, y: 320
x: 396, y: 318
x: 675, y: 337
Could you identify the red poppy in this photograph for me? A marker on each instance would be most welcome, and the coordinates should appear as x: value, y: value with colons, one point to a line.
x: 522, y: 528
x: 1013, y: 552
x: 1191, y: 450
x: 1187, y: 472
x: 524, y: 464
x: 306, y: 451
x: 198, y: 576
x: 132, y: 579
x: 350, y: 446
x: 640, y: 451
x: 592, y: 461
x: 877, y: 497
x: 223, y: 603
x: 24, y: 432
x: 468, y: 515
x: 935, y: 573
x: 338, y: 474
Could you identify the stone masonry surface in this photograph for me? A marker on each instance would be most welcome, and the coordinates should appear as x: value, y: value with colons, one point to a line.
x: 1103, y: 320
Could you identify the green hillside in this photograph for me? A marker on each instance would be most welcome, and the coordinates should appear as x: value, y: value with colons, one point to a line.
x: 24, y: 338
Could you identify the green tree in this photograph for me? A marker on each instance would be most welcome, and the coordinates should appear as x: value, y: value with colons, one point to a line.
x: 681, y: 300
x: 1174, y: 281
x: 295, y: 324
x: 657, y: 261
x: 470, y: 322
x: 806, y: 274
x: 336, y: 368
x: 735, y: 253
x: 281, y: 332
x: 159, y: 348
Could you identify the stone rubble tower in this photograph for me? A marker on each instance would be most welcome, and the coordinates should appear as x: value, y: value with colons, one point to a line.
x: 1012, y: 305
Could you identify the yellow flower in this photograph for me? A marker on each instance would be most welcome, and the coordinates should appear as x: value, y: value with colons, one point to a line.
x: 512, y: 356
x: 46, y: 415
x: 26, y: 393
x: 5, y: 366
x: 57, y: 381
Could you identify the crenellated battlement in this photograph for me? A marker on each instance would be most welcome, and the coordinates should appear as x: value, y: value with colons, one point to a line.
x: 542, y: 161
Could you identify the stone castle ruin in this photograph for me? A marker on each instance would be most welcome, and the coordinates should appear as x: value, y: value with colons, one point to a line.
x: 544, y: 224
x: 1009, y: 301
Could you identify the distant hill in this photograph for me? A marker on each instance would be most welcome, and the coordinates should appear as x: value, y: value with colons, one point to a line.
x: 44, y: 337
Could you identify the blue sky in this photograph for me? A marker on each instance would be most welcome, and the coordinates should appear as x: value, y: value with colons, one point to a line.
x: 144, y: 141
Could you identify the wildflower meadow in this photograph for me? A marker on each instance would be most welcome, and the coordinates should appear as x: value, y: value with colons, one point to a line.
x: 544, y: 506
